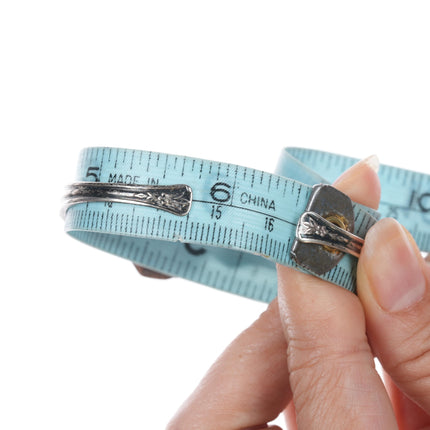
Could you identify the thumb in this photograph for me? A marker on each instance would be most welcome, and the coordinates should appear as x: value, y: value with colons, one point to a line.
x: 393, y: 286
x: 331, y: 366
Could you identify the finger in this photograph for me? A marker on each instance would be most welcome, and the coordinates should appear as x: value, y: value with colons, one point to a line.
x: 332, y: 373
x: 151, y: 273
x: 247, y: 387
x: 394, y: 283
x: 290, y: 416
x: 408, y: 414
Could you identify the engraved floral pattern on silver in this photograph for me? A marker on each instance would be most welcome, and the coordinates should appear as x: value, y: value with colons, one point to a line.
x: 313, y: 228
x: 175, y: 199
x: 310, y: 227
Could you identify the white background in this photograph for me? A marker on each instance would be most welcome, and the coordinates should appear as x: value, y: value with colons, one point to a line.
x: 85, y: 342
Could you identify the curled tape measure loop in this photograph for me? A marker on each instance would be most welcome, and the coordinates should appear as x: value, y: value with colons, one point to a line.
x: 225, y: 225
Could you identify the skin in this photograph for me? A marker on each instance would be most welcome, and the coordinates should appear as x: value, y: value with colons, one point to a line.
x: 310, y: 355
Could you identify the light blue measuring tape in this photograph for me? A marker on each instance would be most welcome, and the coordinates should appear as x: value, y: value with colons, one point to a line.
x: 225, y: 225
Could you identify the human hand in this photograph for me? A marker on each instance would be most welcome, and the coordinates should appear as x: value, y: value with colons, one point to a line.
x: 311, y: 353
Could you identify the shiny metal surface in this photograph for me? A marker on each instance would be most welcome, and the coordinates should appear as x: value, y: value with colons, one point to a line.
x: 175, y: 199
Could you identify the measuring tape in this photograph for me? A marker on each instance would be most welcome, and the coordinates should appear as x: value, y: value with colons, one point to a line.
x: 225, y: 225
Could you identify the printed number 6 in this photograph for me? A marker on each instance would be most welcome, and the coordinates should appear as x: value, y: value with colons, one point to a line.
x: 220, y: 192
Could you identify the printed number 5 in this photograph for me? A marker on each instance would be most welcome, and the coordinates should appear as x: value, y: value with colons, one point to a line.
x: 92, y: 172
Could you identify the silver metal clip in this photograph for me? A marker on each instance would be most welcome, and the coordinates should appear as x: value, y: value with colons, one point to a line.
x: 324, y: 231
x: 175, y: 199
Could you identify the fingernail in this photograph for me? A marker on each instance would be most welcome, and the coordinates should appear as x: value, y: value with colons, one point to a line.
x: 151, y: 273
x: 355, y: 170
x: 393, y: 267
x: 372, y: 162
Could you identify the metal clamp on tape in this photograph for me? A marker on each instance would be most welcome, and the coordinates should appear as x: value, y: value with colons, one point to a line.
x: 325, y: 231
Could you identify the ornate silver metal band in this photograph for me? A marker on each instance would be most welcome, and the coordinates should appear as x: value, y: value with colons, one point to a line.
x: 313, y: 228
x: 175, y: 199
